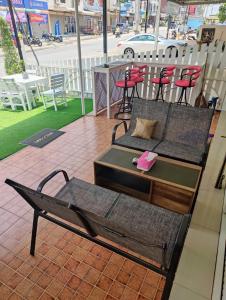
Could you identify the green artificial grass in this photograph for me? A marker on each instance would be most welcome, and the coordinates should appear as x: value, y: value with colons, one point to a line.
x: 15, y: 126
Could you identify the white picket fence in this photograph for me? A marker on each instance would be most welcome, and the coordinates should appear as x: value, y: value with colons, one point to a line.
x: 212, y: 57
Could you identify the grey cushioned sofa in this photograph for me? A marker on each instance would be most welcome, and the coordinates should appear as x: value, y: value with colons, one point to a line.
x: 181, y: 131
x: 150, y: 231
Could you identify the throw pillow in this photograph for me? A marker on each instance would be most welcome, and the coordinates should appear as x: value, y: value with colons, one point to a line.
x: 144, y: 128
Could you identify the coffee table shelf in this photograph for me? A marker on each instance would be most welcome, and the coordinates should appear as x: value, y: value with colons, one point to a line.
x: 170, y: 184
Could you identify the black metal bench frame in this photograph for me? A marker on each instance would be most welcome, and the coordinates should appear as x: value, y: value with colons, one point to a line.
x: 91, y: 235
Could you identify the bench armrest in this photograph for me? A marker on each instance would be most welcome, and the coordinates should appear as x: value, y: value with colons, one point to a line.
x: 49, y: 177
x: 115, y: 130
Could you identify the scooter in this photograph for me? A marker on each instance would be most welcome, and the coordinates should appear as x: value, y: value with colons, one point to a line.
x: 34, y: 41
x: 49, y: 37
x: 56, y: 38
x: 174, y: 35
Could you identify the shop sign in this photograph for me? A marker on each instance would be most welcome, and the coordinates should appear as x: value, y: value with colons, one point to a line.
x: 163, y: 8
x: 191, y: 10
x: 3, y: 13
x: 93, y: 5
x: 20, y: 15
x: 38, y: 18
x: 16, y: 3
x: 36, y: 4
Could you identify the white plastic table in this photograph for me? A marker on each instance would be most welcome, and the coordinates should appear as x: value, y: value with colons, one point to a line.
x: 32, y: 80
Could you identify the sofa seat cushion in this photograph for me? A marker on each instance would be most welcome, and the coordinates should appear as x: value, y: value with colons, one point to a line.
x: 136, y: 143
x: 144, y: 225
x: 180, y: 151
x: 94, y: 200
x: 87, y: 196
x: 125, y: 220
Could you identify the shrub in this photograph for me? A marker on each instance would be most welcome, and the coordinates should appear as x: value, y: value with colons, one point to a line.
x: 13, y: 64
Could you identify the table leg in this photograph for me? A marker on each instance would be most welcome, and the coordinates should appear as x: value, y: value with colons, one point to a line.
x: 38, y: 91
x: 28, y: 100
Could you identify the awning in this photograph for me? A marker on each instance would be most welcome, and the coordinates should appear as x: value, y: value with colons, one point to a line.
x: 189, y: 2
x: 61, y: 13
x: 90, y: 13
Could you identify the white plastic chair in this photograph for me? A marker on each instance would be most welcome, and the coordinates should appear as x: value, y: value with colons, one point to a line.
x: 56, y: 93
x: 12, y: 94
x: 4, y: 98
x: 31, y: 71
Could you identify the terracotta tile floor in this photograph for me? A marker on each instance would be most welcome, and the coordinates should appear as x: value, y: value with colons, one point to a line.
x: 65, y: 266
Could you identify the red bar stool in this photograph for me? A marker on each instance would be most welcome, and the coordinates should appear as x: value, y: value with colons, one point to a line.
x: 138, y: 69
x: 137, y: 78
x: 170, y: 68
x: 163, y: 80
x: 126, y: 103
x: 137, y: 74
x: 194, y: 68
x: 188, y: 79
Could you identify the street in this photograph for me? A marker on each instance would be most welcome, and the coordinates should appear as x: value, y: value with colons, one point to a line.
x: 90, y: 48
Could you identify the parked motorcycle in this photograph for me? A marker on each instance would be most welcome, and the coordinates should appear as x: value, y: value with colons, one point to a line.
x: 117, y: 34
x: 173, y: 35
x: 191, y: 35
x: 34, y: 41
x: 49, y: 37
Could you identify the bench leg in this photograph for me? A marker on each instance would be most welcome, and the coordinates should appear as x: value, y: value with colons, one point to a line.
x: 34, y: 232
x: 168, y: 287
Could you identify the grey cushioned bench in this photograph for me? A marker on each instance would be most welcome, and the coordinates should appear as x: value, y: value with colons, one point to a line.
x: 148, y: 230
x: 181, y: 132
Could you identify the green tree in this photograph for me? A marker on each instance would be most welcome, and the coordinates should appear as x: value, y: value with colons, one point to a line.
x: 222, y: 13
x: 13, y: 64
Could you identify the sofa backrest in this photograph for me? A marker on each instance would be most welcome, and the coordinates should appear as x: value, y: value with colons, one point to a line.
x: 150, y: 110
x: 188, y: 125
x: 58, y: 207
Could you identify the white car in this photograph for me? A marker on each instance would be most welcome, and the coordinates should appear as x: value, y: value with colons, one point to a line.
x: 146, y: 42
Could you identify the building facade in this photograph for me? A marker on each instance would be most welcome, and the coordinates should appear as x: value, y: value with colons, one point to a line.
x: 58, y: 16
x: 32, y: 14
x: 19, y: 5
x: 37, y: 16
x: 211, y: 13
x: 62, y: 16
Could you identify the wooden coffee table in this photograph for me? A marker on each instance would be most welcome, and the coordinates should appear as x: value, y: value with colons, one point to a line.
x: 170, y: 183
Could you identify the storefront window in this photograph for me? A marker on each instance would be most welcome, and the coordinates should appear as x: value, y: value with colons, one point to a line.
x: 89, y: 23
x: 69, y: 26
